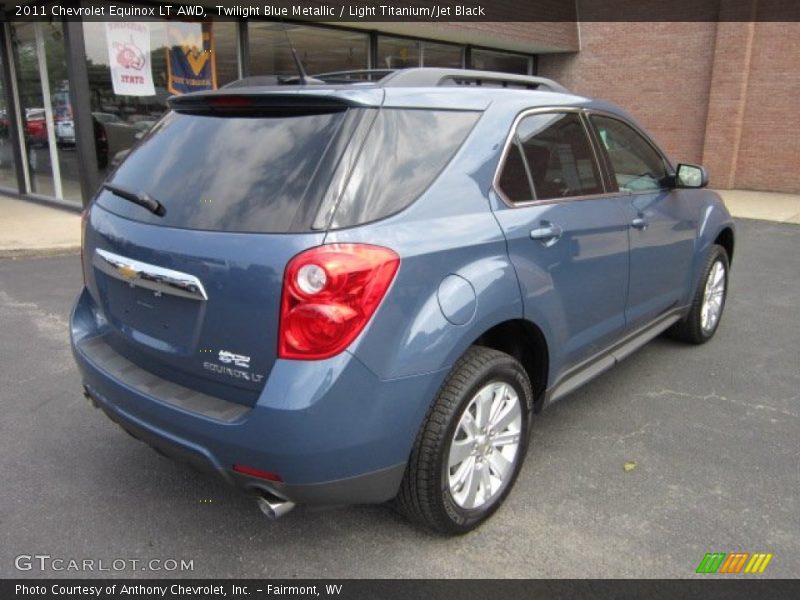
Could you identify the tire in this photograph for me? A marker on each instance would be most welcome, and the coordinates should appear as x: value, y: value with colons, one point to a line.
x: 693, y: 329
x: 427, y: 493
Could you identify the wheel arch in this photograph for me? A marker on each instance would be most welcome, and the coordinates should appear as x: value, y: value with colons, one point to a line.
x: 725, y: 238
x: 526, y: 342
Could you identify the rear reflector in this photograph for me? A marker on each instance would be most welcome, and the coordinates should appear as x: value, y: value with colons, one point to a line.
x: 257, y: 473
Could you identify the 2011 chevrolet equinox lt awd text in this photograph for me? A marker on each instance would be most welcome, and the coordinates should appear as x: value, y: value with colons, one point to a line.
x: 362, y: 287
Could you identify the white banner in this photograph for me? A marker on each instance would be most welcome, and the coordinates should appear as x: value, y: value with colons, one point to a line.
x: 129, y: 58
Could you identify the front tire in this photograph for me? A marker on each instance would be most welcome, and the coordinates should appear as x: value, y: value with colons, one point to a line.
x: 705, y: 313
x: 472, y: 444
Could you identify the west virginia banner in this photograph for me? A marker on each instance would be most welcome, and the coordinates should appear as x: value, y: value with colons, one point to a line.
x: 191, y: 60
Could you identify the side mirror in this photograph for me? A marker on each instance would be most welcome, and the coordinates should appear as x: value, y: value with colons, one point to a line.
x: 691, y: 176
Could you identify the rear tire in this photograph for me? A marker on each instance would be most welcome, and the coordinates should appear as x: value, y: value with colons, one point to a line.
x: 471, y: 445
x: 708, y: 303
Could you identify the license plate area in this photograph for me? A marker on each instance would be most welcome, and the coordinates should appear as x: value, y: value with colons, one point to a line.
x: 163, y: 321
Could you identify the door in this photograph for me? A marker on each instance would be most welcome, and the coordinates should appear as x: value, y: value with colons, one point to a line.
x: 662, y: 222
x: 567, y: 239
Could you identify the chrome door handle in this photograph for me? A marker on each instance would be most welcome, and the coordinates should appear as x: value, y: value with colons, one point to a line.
x: 548, y: 233
x: 639, y: 223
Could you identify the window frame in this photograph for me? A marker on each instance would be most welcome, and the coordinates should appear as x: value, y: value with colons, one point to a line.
x: 511, y: 140
x: 669, y: 168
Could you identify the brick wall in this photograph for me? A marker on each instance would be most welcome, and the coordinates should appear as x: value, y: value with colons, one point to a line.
x: 769, y: 148
x: 658, y: 71
x: 725, y: 94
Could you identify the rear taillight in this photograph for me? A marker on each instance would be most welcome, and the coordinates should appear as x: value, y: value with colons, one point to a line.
x: 329, y: 294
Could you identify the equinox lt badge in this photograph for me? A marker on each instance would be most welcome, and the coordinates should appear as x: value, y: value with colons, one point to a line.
x: 237, y: 359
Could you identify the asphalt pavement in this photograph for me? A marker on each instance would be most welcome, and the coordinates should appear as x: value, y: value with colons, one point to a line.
x: 714, y: 432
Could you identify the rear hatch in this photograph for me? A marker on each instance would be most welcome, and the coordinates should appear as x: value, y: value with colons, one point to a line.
x: 193, y: 294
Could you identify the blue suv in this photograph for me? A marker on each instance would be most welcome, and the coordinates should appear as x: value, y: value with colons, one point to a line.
x: 361, y: 287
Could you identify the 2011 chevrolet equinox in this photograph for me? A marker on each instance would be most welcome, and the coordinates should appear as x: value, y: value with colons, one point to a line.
x: 353, y: 291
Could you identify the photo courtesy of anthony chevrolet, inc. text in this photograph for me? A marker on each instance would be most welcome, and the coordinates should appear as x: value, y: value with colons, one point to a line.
x: 399, y: 299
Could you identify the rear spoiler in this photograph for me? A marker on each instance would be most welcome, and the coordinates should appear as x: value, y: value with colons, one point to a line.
x: 258, y: 104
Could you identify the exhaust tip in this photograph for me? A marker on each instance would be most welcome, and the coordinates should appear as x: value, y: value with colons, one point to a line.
x: 273, y: 507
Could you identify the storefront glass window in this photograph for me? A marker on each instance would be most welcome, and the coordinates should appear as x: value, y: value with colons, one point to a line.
x: 8, y: 173
x: 134, y: 67
x: 487, y: 60
x: 442, y: 55
x: 397, y: 53
x: 321, y: 50
x: 48, y: 127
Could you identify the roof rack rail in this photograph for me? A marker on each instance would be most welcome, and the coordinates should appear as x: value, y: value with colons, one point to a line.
x: 415, y: 77
x: 432, y: 77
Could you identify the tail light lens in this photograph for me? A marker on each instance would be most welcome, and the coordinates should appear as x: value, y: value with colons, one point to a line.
x: 329, y: 294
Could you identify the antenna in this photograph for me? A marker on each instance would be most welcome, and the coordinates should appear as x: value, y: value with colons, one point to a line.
x: 304, y: 79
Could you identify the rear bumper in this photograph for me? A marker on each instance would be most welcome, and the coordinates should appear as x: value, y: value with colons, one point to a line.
x: 332, y: 430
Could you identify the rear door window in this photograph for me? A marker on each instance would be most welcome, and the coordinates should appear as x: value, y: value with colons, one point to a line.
x: 549, y: 157
x: 227, y: 173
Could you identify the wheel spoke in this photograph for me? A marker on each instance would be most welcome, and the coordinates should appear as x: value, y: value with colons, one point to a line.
x: 508, y: 416
x: 498, y: 400
x: 719, y: 274
x: 460, y: 451
x: 471, y: 486
x: 458, y: 480
x: 486, y: 481
x: 505, y: 439
x: 499, y: 464
x: 468, y: 424
x: 483, y: 406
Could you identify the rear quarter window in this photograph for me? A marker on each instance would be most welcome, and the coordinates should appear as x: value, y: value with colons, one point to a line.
x: 405, y: 150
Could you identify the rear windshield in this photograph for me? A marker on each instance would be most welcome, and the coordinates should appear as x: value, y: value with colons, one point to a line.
x: 228, y: 173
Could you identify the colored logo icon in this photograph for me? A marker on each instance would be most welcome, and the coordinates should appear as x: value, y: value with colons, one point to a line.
x: 734, y: 563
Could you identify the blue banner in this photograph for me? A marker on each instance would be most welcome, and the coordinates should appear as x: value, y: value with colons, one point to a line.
x: 191, y: 61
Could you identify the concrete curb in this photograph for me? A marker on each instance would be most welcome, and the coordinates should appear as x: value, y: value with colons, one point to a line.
x: 15, y: 253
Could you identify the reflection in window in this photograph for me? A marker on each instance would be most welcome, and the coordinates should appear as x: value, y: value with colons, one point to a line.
x: 321, y: 50
x: 8, y: 172
x: 405, y: 151
x: 226, y: 173
x: 401, y: 53
x: 119, y: 121
x: 442, y: 55
x: 488, y: 60
x: 45, y: 110
x: 397, y: 53
x: 637, y: 166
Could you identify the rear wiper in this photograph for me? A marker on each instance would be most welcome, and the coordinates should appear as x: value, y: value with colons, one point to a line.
x: 143, y: 200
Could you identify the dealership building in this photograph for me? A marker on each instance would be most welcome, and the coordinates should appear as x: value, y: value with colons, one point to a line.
x: 75, y: 95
